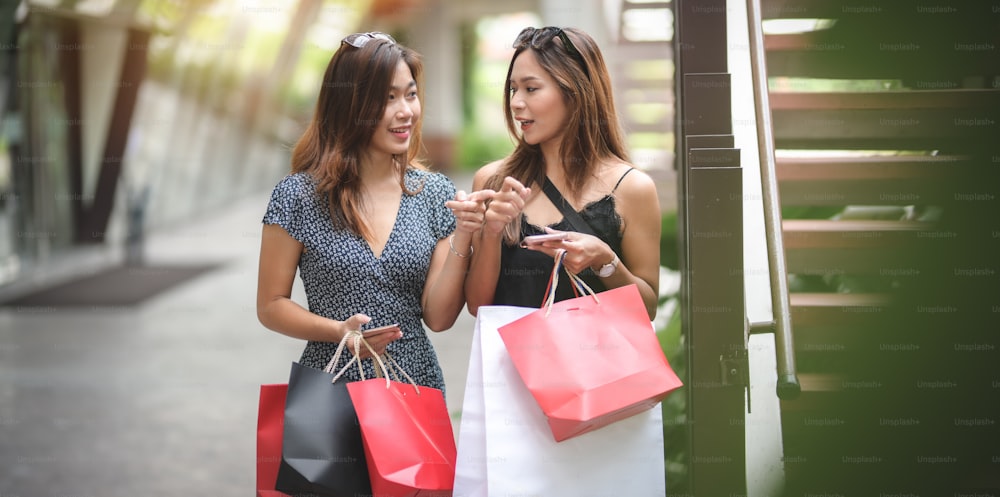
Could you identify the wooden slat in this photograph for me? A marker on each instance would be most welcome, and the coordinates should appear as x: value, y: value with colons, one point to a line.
x: 944, y: 130
x: 800, y: 9
x: 839, y: 300
x: 832, y: 60
x: 887, y: 10
x: 986, y: 100
x: 859, y: 168
x: 839, y: 53
x: 917, y: 120
x: 816, y: 309
x: 924, y: 45
x: 904, y: 191
x: 823, y: 9
x: 811, y: 41
x: 871, y: 180
x: 836, y: 309
x: 866, y: 247
x: 807, y: 234
x: 836, y: 41
x: 818, y: 321
x: 856, y: 261
x: 817, y: 382
x: 827, y: 395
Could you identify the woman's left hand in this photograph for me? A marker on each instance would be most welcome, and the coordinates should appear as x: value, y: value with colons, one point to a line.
x: 469, y: 210
x: 582, y: 251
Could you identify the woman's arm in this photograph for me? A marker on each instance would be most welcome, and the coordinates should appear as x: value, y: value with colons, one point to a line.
x: 504, y: 206
x: 279, y: 258
x: 481, y: 280
x: 640, y: 259
x: 444, y: 292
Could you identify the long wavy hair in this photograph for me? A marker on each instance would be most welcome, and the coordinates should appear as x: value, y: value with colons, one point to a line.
x: 592, y: 131
x: 350, y: 105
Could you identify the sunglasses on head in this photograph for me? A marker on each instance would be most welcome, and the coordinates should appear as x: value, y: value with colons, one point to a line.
x: 358, y: 40
x: 538, y: 38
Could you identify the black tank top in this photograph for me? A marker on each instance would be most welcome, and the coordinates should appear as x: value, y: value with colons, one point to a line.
x: 524, y: 273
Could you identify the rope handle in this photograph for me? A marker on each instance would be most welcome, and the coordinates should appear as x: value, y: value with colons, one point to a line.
x: 358, y: 339
x: 337, y: 353
x: 381, y: 369
x: 396, y: 368
x: 578, y: 285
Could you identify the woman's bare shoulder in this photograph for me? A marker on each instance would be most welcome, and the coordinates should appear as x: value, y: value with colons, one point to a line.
x: 625, y: 178
x: 485, y: 172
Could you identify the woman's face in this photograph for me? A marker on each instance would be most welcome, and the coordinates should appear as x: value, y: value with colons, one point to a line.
x: 402, y: 112
x: 536, y: 101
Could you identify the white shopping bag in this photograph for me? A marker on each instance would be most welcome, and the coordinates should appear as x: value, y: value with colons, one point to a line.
x: 505, y: 445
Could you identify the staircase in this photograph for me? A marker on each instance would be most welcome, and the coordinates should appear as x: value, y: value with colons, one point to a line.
x: 886, y: 124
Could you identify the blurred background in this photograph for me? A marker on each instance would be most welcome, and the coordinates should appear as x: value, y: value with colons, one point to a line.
x: 140, y: 139
x: 121, y: 117
x: 139, y: 142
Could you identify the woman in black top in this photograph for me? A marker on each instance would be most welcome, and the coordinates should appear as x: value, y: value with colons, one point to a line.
x: 559, y: 96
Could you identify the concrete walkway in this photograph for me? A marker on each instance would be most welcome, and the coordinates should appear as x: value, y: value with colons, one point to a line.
x: 158, y: 400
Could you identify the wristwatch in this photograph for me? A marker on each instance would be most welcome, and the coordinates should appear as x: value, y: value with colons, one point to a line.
x: 609, y: 268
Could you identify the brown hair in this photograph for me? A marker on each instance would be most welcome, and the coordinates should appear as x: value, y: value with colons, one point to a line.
x: 592, y: 129
x: 350, y: 105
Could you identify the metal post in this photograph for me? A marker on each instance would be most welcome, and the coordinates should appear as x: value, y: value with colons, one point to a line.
x: 711, y: 253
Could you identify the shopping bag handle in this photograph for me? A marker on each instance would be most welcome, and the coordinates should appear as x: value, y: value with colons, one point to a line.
x: 382, y: 370
x: 398, y: 370
x: 337, y: 353
x: 579, y: 286
x: 357, y: 338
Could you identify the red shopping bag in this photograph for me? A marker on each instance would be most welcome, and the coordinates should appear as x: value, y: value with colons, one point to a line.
x: 591, y: 360
x: 270, y: 422
x: 408, y: 437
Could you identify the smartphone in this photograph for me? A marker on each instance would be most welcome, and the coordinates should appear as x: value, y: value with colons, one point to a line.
x: 536, y: 239
x: 380, y: 330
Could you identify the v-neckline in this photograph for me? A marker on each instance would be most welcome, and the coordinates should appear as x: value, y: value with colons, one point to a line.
x: 392, y: 231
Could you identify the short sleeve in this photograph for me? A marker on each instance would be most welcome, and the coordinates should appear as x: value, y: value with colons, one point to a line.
x: 285, y: 208
x: 440, y: 189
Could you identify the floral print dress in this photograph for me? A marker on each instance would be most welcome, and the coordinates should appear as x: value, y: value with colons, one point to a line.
x: 342, y: 276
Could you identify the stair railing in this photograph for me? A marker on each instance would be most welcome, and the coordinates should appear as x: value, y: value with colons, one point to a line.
x: 788, y: 384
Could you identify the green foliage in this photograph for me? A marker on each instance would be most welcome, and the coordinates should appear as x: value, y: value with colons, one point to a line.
x: 675, y: 429
x: 656, y: 141
x: 477, y: 148
x: 809, y: 212
x: 668, y: 241
x: 675, y: 426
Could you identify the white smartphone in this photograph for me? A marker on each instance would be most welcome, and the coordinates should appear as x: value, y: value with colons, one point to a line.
x: 548, y: 237
x: 381, y: 329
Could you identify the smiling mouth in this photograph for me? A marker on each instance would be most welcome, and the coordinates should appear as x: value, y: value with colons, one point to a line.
x: 399, y: 130
x: 526, y: 122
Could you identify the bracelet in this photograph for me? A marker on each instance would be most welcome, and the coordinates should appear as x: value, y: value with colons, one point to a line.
x: 451, y: 246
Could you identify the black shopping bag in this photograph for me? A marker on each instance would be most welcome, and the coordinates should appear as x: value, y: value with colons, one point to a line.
x: 322, y: 451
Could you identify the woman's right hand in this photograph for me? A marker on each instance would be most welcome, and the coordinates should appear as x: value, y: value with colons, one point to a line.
x: 506, y: 205
x: 378, y: 342
x: 469, y: 210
